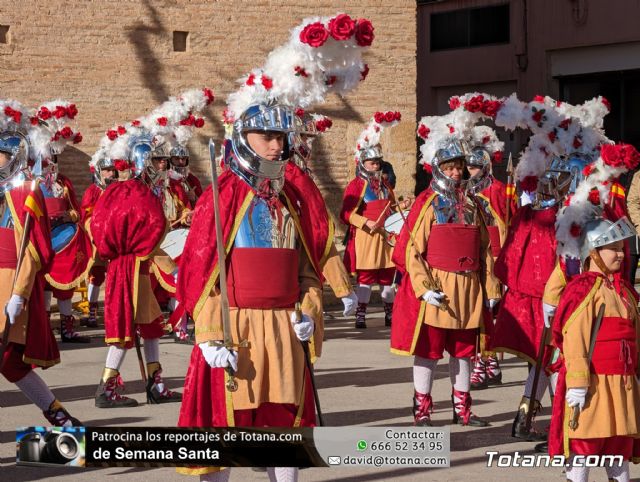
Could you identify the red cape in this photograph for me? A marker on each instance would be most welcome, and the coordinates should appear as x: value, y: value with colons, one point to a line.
x: 89, y: 200
x: 70, y: 266
x: 575, y: 293
x: 195, y: 184
x: 496, y: 194
x: 41, y: 348
x: 127, y: 226
x: 199, y: 261
x: 406, y: 308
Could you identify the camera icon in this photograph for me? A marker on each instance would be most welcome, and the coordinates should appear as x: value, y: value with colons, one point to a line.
x: 59, y: 448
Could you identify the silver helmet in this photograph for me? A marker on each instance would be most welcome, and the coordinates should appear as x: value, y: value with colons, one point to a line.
x: 104, y: 163
x: 301, y: 139
x: 179, y: 172
x: 454, y: 149
x: 245, y: 162
x: 15, y: 146
x: 601, y: 232
x: 140, y: 153
x: 561, y: 178
x: 369, y: 154
x: 480, y: 158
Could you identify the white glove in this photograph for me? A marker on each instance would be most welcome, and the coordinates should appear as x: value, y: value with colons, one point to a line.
x: 576, y: 397
x: 350, y: 302
x: 219, y: 356
x: 14, y: 308
x: 491, y: 303
x: 433, y: 297
x: 547, y: 313
x: 304, y: 329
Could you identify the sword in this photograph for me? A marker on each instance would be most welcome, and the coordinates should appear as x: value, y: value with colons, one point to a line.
x: 307, y: 361
x: 143, y: 372
x: 573, y: 423
x: 24, y: 242
x: 232, y: 384
x: 536, y: 378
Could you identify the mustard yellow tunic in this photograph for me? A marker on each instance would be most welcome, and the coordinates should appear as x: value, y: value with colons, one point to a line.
x: 465, y: 292
x: 372, y: 249
x: 336, y: 274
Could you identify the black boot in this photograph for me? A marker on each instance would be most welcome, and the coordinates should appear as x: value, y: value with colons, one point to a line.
x: 519, y: 428
x: 154, y: 395
x: 388, y: 310
x: 422, y: 409
x: 361, y: 314
x: 59, y: 417
x: 68, y: 333
x: 107, y: 395
x: 462, y: 414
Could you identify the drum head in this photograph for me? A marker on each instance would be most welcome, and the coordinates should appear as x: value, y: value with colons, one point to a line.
x: 394, y: 223
x: 62, y: 235
x: 174, y: 241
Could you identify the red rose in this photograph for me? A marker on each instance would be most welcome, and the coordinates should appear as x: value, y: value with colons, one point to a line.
x: 565, y: 124
x: 558, y: 103
x: 300, y: 72
x: 44, y: 113
x: 451, y: 129
x: 389, y: 116
x: 77, y: 139
x: 121, y: 130
x: 92, y: 169
x: 588, y: 169
x: 490, y: 108
x: 474, y: 104
x: 538, y: 115
x: 497, y: 157
x: 423, y: 131
x: 539, y: 98
x: 331, y: 80
x: 56, y: 137
x: 208, y: 93
x: 427, y: 168
x: 299, y: 111
x: 66, y: 132
x: 135, y: 123
x: 552, y: 136
x: 529, y: 183
x: 72, y: 111
x: 577, y: 143
x: 112, y: 135
x: 34, y: 121
x: 267, y: 83
x: 575, y: 230
x: 364, y: 72
x: 454, y: 103
x: 379, y: 117
x: 364, y: 32
x: 376, y: 128
x: 60, y: 112
x: 594, y: 196
x: 188, y: 121
x: 162, y: 121
x: 314, y: 34
x: 606, y: 103
x: 121, y: 165
x: 199, y: 122
x: 397, y: 116
x: 16, y: 115
x: 251, y: 79
x: 341, y: 27
x: 320, y: 125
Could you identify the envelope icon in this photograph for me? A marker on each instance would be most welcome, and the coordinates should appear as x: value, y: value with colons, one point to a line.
x: 334, y: 460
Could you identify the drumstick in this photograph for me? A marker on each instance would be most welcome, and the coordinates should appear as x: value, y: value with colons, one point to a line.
x: 382, y: 213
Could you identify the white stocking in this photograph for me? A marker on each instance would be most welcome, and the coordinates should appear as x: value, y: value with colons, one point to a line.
x: 64, y: 307
x: 115, y: 357
x: 423, y: 374
x: 619, y: 474
x: 282, y: 474
x: 364, y: 293
x: 36, y: 390
x: 460, y: 374
x: 93, y: 293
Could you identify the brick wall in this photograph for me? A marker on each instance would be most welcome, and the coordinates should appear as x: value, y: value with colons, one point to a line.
x: 115, y: 60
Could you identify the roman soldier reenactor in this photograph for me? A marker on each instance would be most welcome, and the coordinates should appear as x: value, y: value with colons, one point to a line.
x: 27, y: 340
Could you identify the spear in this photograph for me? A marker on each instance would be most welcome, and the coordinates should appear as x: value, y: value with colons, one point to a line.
x: 511, y: 189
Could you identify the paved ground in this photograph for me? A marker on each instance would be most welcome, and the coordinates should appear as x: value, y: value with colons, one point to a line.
x: 360, y: 382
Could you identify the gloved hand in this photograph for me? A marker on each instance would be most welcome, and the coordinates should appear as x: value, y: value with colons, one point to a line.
x: 547, y: 313
x: 433, y: 297
x: 14, y: 308
x: 304, y: 329
x: 350, y: 302
x: 219, y: 356
x: 576, y: 397
x: 491, y: 303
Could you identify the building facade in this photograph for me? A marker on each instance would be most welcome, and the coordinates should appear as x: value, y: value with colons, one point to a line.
x: 118, y: 59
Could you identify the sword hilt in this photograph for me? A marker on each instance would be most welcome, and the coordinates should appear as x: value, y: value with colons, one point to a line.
x: 575, y: 413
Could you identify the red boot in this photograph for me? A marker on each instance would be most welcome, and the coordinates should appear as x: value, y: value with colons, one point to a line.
x: 422, y: 409
x: 462, y: 414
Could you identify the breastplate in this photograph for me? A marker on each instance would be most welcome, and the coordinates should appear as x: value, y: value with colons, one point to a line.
x: 266, y: 227
x: 487, y: 215
x: 451, y: 210
x: 371, y: 195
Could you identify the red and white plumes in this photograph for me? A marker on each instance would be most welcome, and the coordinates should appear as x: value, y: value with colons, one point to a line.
x: 53, y: 127
x: 370, y: 136
x: 322, y: 55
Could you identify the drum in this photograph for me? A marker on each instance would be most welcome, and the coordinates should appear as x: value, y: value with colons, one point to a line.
x: 393, y: 225
x: 174, y: 241
x: 62, y: 235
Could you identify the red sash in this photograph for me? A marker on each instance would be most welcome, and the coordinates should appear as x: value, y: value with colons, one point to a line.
x: 8, y: 253
x: 263, y: 278
x: 615, y: 352
x: 454, y: 247
x: 494, y: 238
x: 56, y: 206
x: 373, y: 209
